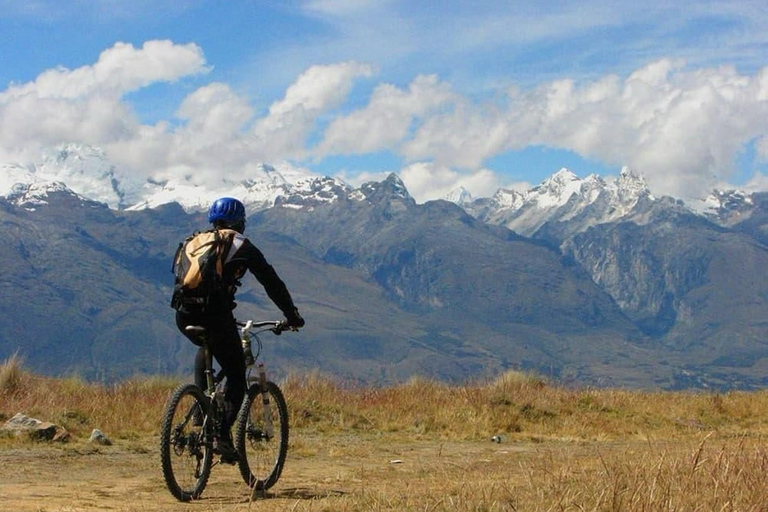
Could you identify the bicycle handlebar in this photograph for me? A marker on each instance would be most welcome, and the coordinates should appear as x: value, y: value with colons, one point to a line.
x: 276, y: 326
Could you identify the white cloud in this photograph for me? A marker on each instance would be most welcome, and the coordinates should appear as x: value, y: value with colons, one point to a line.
x: 426, y: 181
x: 458, y: 36
x: 320, y: 88
x: 221, y: 137
x: 358, y: 178
x: 341, y: 8
x: 218, y: 136
x: 283, y: 133
x: 214, y: 132
x: 120, y: 69
x: 215, y: 106
x: 463, y: 137
x: 28, y: 123
x: 682, y: 129
x: 762, y: 148
x: 385, y: 122
x: 85, y: 104
x: 758, y: 183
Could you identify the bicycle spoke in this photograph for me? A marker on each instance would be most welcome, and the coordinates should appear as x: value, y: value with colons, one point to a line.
x: 185, y: 454
x: 262, y: 455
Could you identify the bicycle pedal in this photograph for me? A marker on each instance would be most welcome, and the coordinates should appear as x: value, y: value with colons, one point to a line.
x: 229, y: 459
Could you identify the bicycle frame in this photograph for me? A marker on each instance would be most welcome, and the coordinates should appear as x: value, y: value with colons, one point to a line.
x: 192, y: 416
x: 212, y: 381
x: 245, y: 336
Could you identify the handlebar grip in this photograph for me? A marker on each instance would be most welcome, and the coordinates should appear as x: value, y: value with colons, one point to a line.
x: 279, y: 328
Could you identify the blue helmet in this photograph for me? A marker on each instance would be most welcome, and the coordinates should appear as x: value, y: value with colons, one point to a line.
x: 226, y: 210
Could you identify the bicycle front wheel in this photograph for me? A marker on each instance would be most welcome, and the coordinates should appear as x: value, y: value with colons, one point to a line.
x: 261, y: 436
x: 185, y: 453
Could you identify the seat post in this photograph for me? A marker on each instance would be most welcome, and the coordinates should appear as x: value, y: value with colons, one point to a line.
x: 198, y: 332
x: 209, y: 370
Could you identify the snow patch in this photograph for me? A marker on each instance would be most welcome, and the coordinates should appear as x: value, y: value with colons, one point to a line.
x: 459, y: 196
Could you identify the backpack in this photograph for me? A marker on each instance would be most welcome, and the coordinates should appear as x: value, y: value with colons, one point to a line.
x: 198, y: 267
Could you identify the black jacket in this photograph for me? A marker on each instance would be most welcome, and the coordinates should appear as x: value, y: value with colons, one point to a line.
x: 244, y: 256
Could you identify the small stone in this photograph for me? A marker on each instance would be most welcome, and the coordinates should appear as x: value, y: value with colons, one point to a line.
x: 98, y: 437
x: 35, y: 429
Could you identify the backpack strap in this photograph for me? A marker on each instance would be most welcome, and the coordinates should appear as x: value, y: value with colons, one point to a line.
x: 176, y: 257
x: 179, y: 249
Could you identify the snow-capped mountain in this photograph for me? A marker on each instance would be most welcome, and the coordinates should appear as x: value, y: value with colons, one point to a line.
x: 459, y: 196
x: 27, y: 187
x: 15, y: 179
x: 725, y: 207
x: 638, y: 279
x: 87, y: 172
x: 21, y: 187
x: 259, y: 191
x: 79, y: 169
x: 563, y: 197
x: 310, y: 192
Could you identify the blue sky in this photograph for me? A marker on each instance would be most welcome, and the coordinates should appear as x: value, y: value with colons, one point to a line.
x: 481, y: 94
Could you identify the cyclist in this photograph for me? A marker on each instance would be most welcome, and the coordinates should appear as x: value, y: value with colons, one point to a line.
x: 219, y: 321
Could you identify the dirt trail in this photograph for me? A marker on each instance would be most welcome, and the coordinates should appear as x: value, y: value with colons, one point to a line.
x: 322, y: 473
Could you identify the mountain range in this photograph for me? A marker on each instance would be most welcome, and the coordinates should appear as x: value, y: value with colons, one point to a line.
x: 589, y: 281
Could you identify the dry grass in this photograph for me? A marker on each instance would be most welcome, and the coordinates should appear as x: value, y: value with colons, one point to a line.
x: 516, y: 406
x: 561, y: 449
x: 522, y: 408
x: 654, y: 477
x: 11, y: 374
x: 128, y: 410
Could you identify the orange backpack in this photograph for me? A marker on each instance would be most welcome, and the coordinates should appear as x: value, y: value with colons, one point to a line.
x: 198, y: 266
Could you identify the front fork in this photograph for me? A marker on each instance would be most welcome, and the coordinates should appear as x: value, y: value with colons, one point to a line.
x: 268, y: 427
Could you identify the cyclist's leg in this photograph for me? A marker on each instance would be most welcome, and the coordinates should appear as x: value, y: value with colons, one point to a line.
x: 185, y: 318
x: 226, y: 348
x: 228, y: 351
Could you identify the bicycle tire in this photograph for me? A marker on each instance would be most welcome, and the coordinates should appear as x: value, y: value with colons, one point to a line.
x: 184, y: 445
x: 262, y: 457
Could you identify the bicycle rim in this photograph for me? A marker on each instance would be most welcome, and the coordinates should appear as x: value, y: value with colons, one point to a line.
x: 262, y: 454
x: 184, y: 451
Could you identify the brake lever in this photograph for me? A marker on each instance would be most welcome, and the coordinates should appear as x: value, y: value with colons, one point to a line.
x: 283, y: 326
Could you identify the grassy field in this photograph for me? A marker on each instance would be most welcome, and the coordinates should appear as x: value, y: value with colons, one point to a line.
x: 420, y: 446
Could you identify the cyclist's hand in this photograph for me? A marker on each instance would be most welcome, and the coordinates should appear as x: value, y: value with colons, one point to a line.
x: 294, y: 321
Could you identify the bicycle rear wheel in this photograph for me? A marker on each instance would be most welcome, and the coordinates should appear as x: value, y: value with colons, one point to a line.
x: 184, y: 453
x: 262, y: 449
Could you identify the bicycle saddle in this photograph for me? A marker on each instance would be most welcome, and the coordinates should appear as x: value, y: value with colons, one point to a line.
x: 195, y: 329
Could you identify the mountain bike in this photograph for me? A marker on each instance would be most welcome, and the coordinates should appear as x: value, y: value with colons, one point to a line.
x: 192, y: 417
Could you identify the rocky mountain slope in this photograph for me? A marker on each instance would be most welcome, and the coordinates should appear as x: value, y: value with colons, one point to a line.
x: 591, y: 281
x: 690, y: 278
x: 390, y: 289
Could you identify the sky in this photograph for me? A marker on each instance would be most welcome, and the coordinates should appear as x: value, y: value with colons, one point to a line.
x: 473, y: 93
